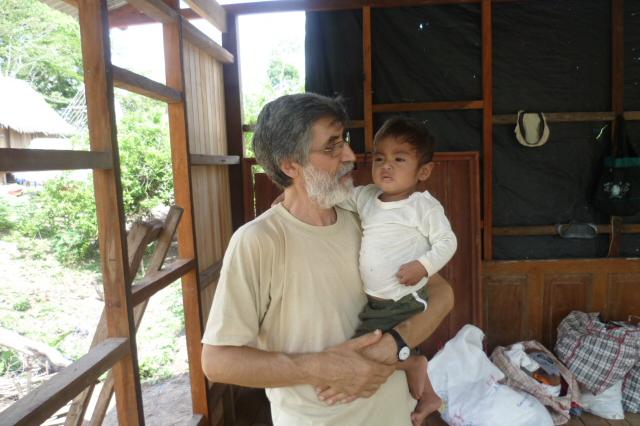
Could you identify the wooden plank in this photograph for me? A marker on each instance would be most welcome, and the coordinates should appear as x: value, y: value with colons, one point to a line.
x: 200, y: 39
x: 23, y: 160
x: 368, y: 79
x: 351, y: 124
x: 210, y: 275
x: 156, y: 10
x: 428, y: 106
x: 41, y: 403
x: 487, y: 129
x: 509, y: 231
x: 239, y: 177
x: 211, y: 11
x: 179, y: 136
x: 144, y: 86
x: 214, y: 160
x: 94, y: 32
x: 560, y: 117
x: 128, y: 15
x: 156, y: 281
x: 633, y: 418
x: 617, y: 56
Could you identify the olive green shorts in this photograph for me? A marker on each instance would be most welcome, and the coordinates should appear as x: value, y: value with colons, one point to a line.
x: 385, y: 314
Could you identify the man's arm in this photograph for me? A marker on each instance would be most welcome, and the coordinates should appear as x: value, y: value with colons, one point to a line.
x: 341, y: 367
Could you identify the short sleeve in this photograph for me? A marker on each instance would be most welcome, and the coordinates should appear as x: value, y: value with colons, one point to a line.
x: 242, y: 295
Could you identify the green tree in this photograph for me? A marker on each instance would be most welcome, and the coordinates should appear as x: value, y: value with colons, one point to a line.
x: 42, y: 46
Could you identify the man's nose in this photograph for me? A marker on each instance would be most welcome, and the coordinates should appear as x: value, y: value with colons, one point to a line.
x: 347, y: 154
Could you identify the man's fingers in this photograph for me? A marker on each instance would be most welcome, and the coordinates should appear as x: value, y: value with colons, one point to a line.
x: 328, y: 394
x: 365, y: 340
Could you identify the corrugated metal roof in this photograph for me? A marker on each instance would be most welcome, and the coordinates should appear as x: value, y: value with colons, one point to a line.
x: 71, y: 10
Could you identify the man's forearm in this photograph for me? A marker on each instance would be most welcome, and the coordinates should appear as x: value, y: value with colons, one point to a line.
x: 342, y: 367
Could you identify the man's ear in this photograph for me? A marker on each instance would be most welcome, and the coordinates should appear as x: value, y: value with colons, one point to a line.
x: 290, y: 168
x: 425, y: 171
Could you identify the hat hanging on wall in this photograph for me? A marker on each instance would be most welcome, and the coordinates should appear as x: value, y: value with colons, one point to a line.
x: 531, y: 129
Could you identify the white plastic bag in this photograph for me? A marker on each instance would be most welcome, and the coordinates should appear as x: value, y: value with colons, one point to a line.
x: 465, y: 379
x: 608, y: 404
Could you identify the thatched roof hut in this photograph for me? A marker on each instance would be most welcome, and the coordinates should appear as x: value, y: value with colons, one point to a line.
x: 25, y: 115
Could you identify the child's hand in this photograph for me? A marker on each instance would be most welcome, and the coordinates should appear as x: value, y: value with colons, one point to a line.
x: 410, y: 273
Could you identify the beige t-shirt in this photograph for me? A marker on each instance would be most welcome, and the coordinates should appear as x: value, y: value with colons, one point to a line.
x: 287, y: 286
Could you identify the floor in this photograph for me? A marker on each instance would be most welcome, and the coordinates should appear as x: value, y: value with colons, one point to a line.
x: 256, y: 412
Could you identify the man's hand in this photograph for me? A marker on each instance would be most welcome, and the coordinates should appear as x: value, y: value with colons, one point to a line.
x: 410, y: 273
x: 346, y: 374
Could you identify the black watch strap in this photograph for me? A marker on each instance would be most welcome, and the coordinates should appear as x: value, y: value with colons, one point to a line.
x: 403, y: 349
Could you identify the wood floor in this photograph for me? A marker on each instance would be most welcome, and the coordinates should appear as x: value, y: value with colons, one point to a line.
x: 255, y: 412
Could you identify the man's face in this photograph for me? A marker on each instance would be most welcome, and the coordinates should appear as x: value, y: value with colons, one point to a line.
x: 327, y: 175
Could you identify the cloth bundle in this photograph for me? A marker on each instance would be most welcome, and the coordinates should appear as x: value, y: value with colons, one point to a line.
x: 516, y: 378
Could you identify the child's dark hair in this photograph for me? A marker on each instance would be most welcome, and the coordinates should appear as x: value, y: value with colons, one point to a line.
x: 409, y: 131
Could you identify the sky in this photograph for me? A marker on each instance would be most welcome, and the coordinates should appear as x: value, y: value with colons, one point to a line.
x: 139, y: 48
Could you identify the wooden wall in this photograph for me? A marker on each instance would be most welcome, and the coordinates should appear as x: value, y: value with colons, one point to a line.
x: 204, y: 95
x: 526, y: 300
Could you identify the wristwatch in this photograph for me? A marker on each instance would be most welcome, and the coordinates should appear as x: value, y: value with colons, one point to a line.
x: 403, y: 349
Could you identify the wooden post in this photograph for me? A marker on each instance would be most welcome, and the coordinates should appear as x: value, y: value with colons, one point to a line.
x: 94, y: 32
x: 617, y: 98
x: 239, y: 176
x: 368, y: 78
x: 487, y: 130
x: 180, y: 155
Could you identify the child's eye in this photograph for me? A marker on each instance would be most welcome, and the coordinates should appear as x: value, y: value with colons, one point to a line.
x: 400, y: 159
x: 377, y: 159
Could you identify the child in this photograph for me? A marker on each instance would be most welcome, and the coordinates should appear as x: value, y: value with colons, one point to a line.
x: 406, y: 238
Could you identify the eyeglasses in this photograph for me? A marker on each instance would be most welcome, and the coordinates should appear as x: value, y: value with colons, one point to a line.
x: 335, y: 149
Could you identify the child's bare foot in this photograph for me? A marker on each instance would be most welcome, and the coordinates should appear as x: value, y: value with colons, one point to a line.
x: 416, y: 369
x: 428, y: 403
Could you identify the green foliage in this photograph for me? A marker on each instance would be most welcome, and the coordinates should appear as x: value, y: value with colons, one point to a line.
x: 42, y: 46
x: 65, y: 212
x: 22, y: 305
x: 9, y: 362
x: 158, y: 366
x: 6, y: 224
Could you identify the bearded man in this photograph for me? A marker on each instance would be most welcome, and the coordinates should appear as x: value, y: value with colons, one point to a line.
x: 289, y: 293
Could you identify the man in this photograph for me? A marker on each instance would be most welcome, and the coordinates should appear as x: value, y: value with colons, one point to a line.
x: 289, y: 293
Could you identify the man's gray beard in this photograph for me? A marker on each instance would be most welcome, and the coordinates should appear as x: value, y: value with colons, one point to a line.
x: 324, y: 189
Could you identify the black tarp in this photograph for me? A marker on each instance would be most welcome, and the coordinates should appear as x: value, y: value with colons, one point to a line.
x: 549, y: 56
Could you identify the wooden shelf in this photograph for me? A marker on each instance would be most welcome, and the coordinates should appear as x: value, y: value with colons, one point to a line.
x: 31, y: 160
x: 566, y: 117
x: 428, y: 106
x: 39, y: 404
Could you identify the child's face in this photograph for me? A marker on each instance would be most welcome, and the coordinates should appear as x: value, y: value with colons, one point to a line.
x: 396, y: 170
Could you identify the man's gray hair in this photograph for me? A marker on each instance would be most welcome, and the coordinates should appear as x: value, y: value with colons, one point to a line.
x: 283, y: 130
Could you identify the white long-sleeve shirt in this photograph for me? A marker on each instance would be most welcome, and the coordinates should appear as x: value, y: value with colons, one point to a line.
x: 398, y: 232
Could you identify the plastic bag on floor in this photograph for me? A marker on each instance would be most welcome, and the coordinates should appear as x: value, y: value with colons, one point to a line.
x: 465, y: 379
x: 607, y: 404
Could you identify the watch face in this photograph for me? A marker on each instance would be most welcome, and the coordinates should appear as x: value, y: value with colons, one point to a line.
x: 404, y: 353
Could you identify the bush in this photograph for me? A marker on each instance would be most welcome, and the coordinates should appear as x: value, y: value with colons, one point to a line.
x: 65, y: 212
x: 5, y: 223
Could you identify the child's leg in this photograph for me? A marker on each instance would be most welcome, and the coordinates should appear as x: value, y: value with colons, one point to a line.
x: 428, y: 403
x: 416, y: 369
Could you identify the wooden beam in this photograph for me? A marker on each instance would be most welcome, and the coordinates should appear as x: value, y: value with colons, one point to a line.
x: 351, y: 124
x: 127, y: 15
x: 327, y: 5
x: 23, y: 160
x: 180, y: 156
x: 39, y: 404
x: 196, y: 420
x: 214, y: 160
x: 156, y: 281
x: 487, y: 130
x: 428, y: 106
x: 368, y: 79
x: 211, y: 11
x: 125, y: 79
x: 94, y: 34
x: 560, y: 117
x: 239, y: 177
x: 210, y: 275
x: 522, y: 231
x: 200, y: 39
x: 156, y: 10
